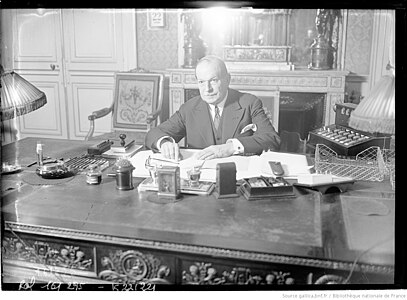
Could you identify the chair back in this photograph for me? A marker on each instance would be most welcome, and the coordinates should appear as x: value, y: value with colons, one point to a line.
x: 138, y: 97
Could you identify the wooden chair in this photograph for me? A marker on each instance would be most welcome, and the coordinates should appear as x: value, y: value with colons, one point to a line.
x: 136, y: 106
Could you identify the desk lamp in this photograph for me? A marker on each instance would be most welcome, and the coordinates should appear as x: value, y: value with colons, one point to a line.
x: 376, y: 113
x: 18, y: 97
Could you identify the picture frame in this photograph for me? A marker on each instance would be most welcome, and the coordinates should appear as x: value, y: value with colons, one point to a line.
x: 169, y: 182
x: 136, y: 96
x: 156, y: 19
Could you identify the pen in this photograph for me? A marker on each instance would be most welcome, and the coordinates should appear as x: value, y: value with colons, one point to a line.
x: 33, y: 163
x: 176, y: 147
x: 169, y: 160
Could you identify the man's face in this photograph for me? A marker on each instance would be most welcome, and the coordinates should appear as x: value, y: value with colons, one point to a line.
x: 212, y: 84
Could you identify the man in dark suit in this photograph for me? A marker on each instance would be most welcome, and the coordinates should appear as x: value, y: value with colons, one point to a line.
x: 221, y: 121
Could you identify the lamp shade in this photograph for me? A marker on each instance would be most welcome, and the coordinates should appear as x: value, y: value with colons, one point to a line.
x: 18, y: 96
x: 377, y: 112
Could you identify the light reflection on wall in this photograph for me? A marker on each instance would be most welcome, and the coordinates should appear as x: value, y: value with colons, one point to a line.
x: 217, y: 22
x: 244, y: 27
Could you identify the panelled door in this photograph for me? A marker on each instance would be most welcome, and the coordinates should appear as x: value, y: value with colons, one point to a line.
x: 98, y: 43
x: 38, y: 58
x: 81, y: 51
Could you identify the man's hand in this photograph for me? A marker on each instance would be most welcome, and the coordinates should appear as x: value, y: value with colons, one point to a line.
x: 170, y: 150
x: 216, y: 151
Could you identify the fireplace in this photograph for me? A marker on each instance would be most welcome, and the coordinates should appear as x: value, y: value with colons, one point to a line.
x: 301, y: 112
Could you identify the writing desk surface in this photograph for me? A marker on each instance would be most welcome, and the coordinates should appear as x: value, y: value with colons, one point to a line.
x: 310, y: 225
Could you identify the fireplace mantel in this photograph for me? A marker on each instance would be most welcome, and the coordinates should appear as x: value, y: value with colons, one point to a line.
x: 263, y: 83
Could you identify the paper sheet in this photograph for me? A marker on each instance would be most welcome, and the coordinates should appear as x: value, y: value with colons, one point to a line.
x: 138, y: 161
x: 293, y: 164
x: 246, y: 166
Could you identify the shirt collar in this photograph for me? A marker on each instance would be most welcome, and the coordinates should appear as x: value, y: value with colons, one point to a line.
x: 220, y: 104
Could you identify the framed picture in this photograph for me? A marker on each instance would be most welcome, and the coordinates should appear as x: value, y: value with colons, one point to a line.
x: 169, y: 182
x: 136, y: 96
x: 156, y: 18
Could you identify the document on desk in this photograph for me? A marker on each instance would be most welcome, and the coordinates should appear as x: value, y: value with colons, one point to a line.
x: 257, y: 165
x: 293, y: 164
x: 246, y: 166
x: 157, y: 159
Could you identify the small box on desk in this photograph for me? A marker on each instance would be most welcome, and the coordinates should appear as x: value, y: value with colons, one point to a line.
x: 343, y: 112
x: 260, y: 188
x: 99, y: 148
x: 346, y: 141
x: 312, y: 179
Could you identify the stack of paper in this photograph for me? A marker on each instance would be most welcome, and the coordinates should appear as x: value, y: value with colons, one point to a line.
x: 246, y: 166
x: 188, y: 162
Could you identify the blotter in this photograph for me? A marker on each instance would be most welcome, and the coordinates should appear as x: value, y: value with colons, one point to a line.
x: 129, y: 152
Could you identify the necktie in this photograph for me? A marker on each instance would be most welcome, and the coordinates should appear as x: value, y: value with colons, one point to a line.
x: 216, y: 120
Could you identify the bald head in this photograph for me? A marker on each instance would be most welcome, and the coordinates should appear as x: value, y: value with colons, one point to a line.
x: 215, y: 62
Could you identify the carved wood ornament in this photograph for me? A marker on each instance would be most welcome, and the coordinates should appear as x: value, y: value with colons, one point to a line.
x: 133, y: 266
x: 205, y: 274
x: 66, y: 256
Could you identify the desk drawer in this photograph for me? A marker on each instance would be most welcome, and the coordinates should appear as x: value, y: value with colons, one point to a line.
x: 48, y: 258
x: 111, y: 260
x: 211, y: 271
x: 47, y: 255
x: 236, y: 272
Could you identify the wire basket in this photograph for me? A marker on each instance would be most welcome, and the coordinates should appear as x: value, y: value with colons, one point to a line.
x: 367, y: 165
x: 389, y: 158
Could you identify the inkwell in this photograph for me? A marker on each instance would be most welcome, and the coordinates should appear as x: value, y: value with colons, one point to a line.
x: 124, y: 174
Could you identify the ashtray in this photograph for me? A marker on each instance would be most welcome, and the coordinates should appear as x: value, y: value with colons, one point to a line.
x: 10, y: 169
x: 54, y: 170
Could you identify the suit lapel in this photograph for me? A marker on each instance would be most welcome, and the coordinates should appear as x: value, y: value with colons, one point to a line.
x: 203, y: 119
x: 232, y: 114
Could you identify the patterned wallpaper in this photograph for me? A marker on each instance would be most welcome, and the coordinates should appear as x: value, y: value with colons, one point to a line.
x: 157, y: 49
x: 358, y: 41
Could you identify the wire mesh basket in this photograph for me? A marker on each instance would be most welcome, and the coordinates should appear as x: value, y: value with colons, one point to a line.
x: 367, y: 165
x: 389, y: 158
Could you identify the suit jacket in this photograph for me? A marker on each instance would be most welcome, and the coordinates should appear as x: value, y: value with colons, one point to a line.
x: 193, y: 121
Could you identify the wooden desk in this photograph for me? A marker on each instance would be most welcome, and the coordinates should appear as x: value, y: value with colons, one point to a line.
x: 75, y: 232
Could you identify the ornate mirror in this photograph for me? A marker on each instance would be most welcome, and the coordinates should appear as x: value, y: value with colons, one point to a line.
x: 279, y: 39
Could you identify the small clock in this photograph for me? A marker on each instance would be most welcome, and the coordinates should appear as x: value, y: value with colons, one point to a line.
x: 169, y: 183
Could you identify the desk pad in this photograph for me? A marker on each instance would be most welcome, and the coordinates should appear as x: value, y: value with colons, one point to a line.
x: 291, y: 221
x: 366, y: 219
x: 231, y: 222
